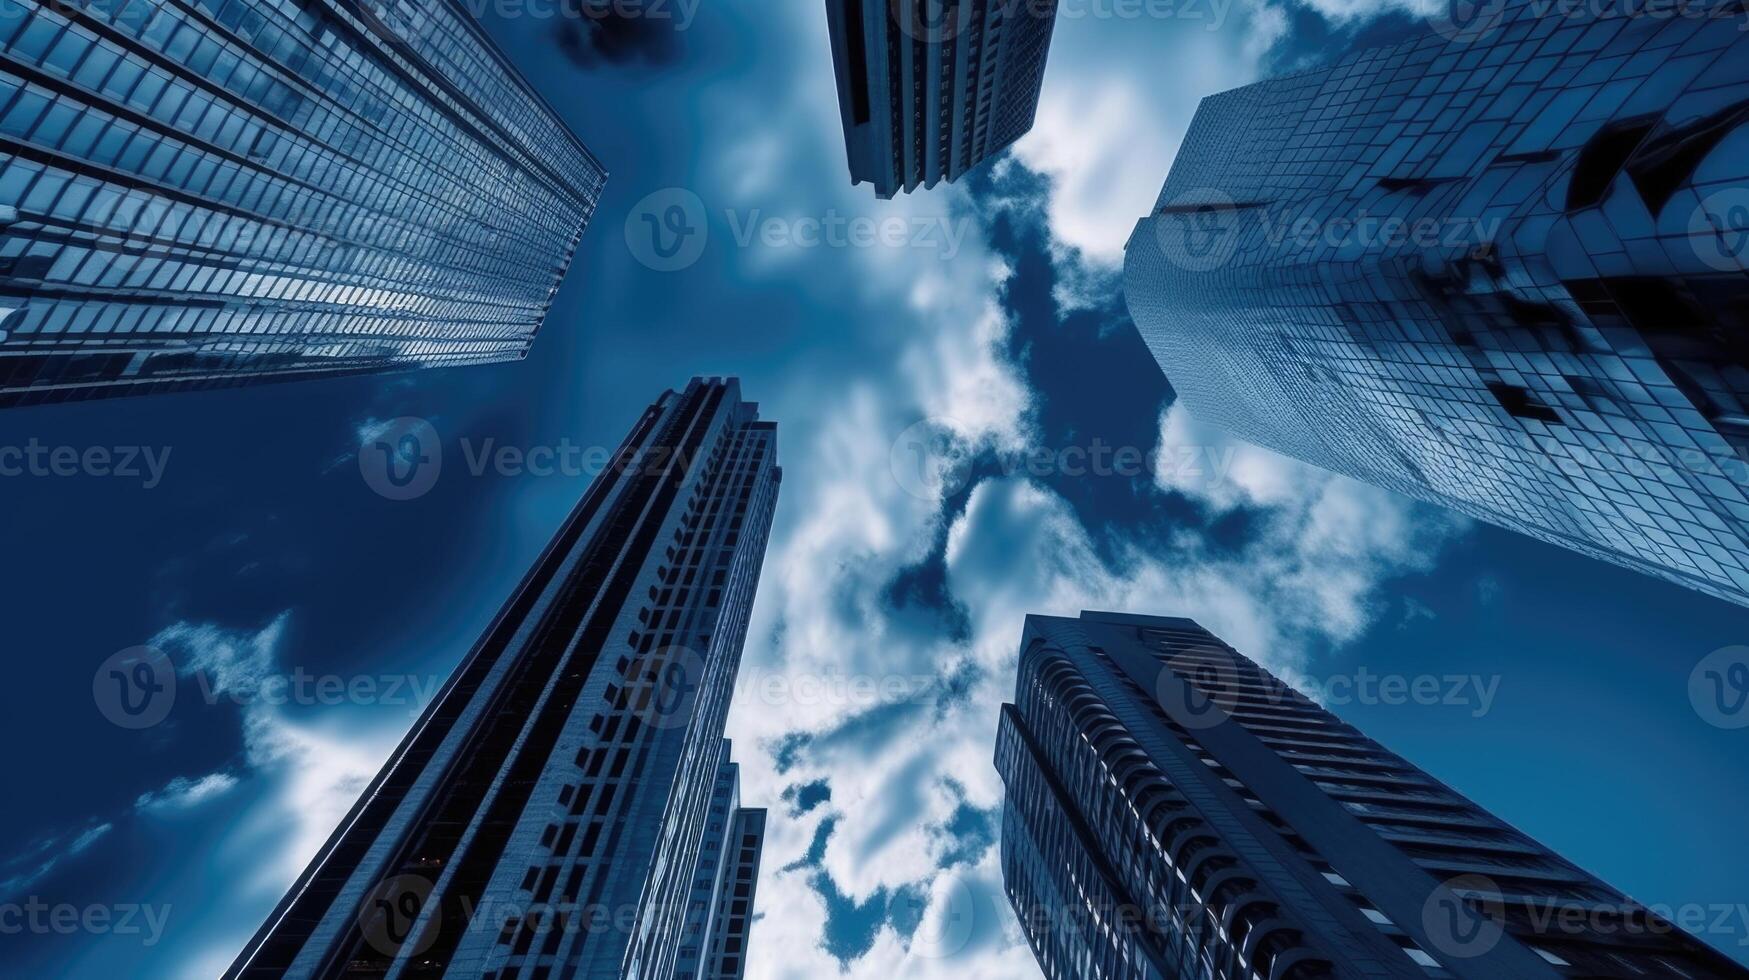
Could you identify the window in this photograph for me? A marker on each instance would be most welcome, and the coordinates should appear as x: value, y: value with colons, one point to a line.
x: 1551, y: 957
x: 1602, y: 158
x: 1522, y: 403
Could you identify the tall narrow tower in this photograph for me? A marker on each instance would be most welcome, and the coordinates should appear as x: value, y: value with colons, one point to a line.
x: 548, y: 810
x: 718, y: 917
x: 225, y: 192
x: 1174, y: 810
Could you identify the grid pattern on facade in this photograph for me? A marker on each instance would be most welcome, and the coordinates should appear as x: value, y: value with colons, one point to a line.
x: 1114, y: 871
x: 960, y: 80
x: 732, y: 917
x: 1485, y: 861
x: 545, y: 817
x: 707, y: 878
x: 651, y: 747
x: 208, y: 192
x: 1505, y: 273
x: 1143, y: 755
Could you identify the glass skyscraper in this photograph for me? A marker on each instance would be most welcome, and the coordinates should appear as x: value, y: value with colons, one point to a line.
x: 1174, y: 811
x: 545, y: 816
x: 929, y: 89
x: 1500, y: 266
x: 220, y: 192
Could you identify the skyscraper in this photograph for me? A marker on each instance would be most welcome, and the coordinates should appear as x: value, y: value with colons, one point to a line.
x: 929, y: 89
x: 720, y: 912
x: 546, y: 813
x: 1499, y: 267
x: 1173, y: 810
x: 226, y: 192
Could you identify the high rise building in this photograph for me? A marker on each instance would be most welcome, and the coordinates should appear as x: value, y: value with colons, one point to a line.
x: 1173, y: 810
x: 718, y: 917
x: 929, y: 89
x: 225, y: 192
x: 1500, y: 267
x: 545, y: 815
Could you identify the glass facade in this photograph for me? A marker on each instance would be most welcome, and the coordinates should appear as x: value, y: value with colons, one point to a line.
x: 929, y: 89
x: 1500, y: 268
x: 546, y: 814
x: 197, y: 193
x: 1174, y: 811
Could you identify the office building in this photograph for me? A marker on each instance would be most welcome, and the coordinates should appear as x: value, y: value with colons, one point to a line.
x: 545, y: 815
x: 226, y: 192
x: 929, y: 89
x: 1500, y: 268
x: 720, y: 912
x: 1175, y: 811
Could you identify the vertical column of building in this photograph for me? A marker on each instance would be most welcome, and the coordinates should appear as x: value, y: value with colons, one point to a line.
x: 549, y: 807
x: 928, y: 89
x: 707, y: 878
x: 730, y: 534
x: 732, y: 918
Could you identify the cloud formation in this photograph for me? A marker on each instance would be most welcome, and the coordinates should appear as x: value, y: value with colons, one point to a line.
x: 898, y: 867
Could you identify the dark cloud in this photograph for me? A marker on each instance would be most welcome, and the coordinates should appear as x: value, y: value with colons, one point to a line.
x: 816, y: 849
x: 1096, y: 388
x: 803, y: 797
x: 613, y: 33
x: 851, y: 926
x: 967, y: 833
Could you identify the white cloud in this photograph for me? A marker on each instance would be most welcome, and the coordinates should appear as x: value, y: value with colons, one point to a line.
x: 1329, y: 539
x: 306, y: 772
x: 1118, y: 96
x: 183, y: 793
x: 1106, y: 142
x: 848, y: 525
x: 1017, y: 549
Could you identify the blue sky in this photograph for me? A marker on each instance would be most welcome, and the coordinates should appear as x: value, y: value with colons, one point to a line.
x: 885, y: 632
